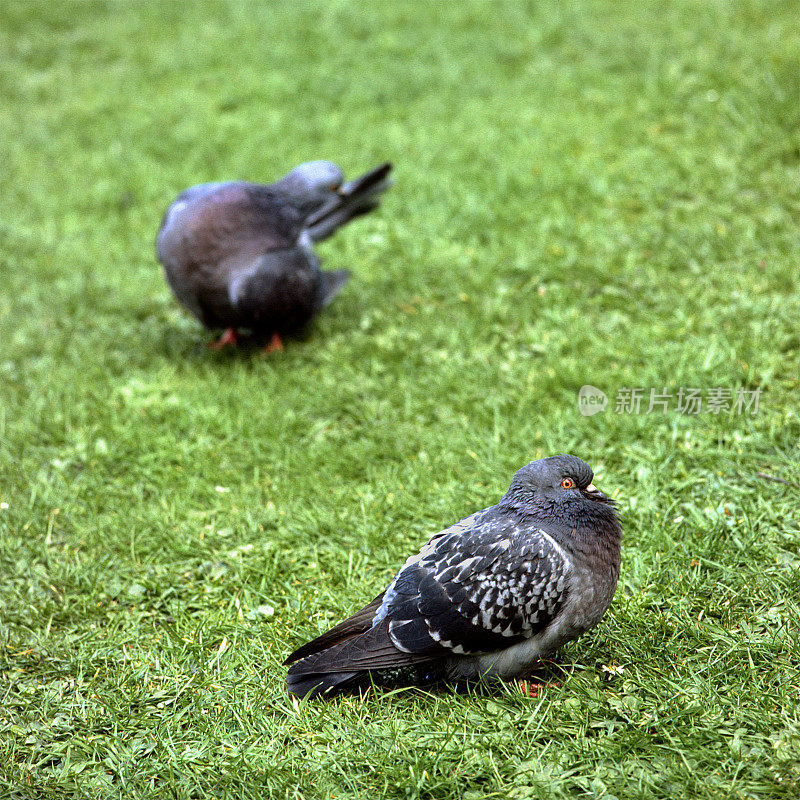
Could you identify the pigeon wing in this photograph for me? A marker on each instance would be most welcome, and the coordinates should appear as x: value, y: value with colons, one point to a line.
x: 214, y: 231
x: 280, y: 290
x: 211, y: 226
x: 477, y: 589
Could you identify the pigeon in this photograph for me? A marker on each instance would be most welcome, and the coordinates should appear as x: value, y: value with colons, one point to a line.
x: 488, y: 597
x: 240, y: 255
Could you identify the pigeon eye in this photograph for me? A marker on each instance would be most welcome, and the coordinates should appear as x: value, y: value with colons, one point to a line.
x: 568, y: 483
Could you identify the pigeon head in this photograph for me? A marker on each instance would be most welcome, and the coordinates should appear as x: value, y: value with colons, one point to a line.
x: 560, y: 486
x: 312, y: 183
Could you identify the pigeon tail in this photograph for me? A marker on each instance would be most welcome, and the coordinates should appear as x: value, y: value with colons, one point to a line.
x: 353, y: 199
x: 331, y: 284
x: 316, y: 684
x: 354, y: 662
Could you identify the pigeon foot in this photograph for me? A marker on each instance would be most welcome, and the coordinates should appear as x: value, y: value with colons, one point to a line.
x: 228, y: 338
x: 275, y: 344
x: 530, y: 689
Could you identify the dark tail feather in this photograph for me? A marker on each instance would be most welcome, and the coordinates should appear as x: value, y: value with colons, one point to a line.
x: 355, y: 625
x: 354, y: 199
x: 350, y: 663
x: 324, y: 683
x: 331, y: 284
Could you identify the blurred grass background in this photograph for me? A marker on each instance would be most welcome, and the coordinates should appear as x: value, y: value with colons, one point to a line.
x: 586, y: 193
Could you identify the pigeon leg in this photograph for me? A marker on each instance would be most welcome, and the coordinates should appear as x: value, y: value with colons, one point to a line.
x: 275, y: 344
x: 227, y: 338
x: 530, y: 689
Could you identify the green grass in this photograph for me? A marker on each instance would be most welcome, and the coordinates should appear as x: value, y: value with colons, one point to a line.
x: 586, y: 193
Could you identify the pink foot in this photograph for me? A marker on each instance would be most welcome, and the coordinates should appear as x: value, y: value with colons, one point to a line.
x: 531, y: 689
x: 275, y: 344
x: 227, y: 339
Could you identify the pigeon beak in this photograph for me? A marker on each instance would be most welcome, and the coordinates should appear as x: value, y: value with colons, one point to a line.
x: 593, y: 493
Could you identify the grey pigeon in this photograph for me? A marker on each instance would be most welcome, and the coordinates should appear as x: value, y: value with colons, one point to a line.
x: 490, y: 596
x: 240, y: 255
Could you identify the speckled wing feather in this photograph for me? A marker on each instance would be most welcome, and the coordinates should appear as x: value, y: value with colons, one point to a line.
x: 477, y: 587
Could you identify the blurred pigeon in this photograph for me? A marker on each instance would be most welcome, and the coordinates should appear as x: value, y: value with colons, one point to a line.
x: 240, y: 255
x: 489, y: 596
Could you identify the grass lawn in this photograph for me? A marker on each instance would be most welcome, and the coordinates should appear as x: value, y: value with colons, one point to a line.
x: 586, y: 193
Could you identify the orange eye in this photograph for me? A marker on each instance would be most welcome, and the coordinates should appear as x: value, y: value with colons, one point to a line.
x: 568, y: 483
